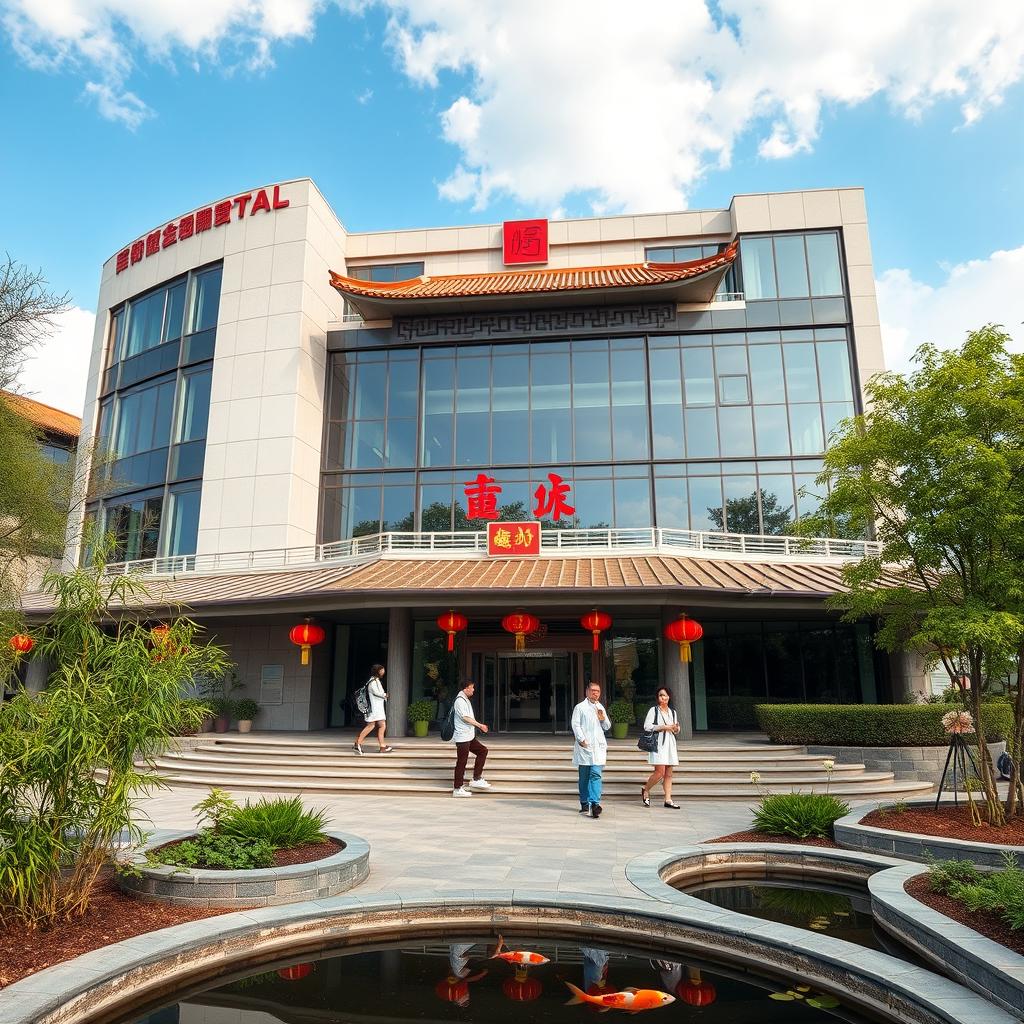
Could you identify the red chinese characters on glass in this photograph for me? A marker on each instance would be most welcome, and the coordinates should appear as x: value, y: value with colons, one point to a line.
x: 222, y: 213
x: 138, y: 251
x: 525, y: 241
x: 122, y: 259
x: 482, y: 497
x: 513, y: 538
x: 551, y: 501
x: 204, y: 220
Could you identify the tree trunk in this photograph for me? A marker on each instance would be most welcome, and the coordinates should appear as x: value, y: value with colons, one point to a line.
x: 989, y: 789
x: 1015, y: 742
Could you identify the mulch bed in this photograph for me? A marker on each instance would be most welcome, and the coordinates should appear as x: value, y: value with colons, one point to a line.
x: 297, y: 855
x: 949, y: 822
x: 113, y: 916
x: 983, y: 921
x: 764, y: 837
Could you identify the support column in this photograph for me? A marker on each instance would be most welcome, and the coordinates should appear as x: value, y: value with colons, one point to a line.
x: 676, y: 678
x: 37, y: 674
x: 399, y: 670
x: 909, y: 677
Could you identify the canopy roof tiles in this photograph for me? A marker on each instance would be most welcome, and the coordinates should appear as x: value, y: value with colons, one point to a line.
x: 694, y: 281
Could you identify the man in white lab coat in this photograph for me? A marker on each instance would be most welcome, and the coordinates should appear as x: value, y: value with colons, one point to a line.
x: 590, y: 752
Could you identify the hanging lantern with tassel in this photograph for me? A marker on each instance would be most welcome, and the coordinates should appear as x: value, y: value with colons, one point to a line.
x: 452, y: 622
x: 684, y: 632
x: 306, y: 635
x: 596, y: 622
x: 520, y: 623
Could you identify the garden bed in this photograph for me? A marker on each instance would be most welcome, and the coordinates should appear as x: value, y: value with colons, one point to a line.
x: 298, y: 855
x: 949, y: 821
x: 985, y: 922
x: 113, y: 916
x: 750, y: 836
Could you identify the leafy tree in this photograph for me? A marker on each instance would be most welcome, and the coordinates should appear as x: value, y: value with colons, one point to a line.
x: 741, y: 515
x: 27, y: 314
x: 936, y: 468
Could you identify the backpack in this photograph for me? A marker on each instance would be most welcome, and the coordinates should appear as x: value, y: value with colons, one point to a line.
x: 362, y: 700
x: 448, y: 725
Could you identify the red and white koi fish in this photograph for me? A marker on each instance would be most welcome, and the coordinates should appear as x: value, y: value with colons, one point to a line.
x: 632, y: 1000
x: 517, y: 956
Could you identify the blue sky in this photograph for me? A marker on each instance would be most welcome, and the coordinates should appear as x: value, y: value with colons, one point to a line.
x: 412, y: 113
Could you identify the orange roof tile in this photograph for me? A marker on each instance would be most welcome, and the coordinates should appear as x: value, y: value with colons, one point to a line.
x: 45, y: 417
x: 528, y: 282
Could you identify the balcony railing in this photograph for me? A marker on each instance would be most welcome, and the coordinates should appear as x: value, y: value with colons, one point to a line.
x: 554, y: 542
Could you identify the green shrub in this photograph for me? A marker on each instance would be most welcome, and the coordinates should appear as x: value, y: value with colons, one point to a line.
x: 731, y: 713
x: 281, y: 823
x: 246, y: 709
x: 421, y: 711
x: 620, y: 711
x: 1000, y: 892
x: 945, y: 874
x: 872, y: 725
x: 799, y: 814
x: 193, y: 711
x: 215, y: 850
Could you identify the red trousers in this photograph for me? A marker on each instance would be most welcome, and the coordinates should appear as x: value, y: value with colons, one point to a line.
x: 462, y: 757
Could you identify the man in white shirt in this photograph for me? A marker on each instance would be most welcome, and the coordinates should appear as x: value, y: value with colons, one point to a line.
x: 590, y: 751
x: 466, y: 742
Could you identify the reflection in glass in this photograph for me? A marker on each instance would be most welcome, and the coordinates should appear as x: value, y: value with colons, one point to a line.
x: 205, y: 300
x: 805, y: 429
x: 594, y: 504
x: 701, y: 434
x: 438, y: 406
x: 736, y: 430
x: 194, y: 406
x: 791, y: 266
x: 671, y: 503
x: 758, y: 268
x: 834, y: 366
x: 772, y: 426
x: 184, y: 530
x: 698, y: 376
x: 778, y: 508
x: 705, y: 501
x: 632, y: 503
x: 766, y: 373
x: 823, y: 261
x: 801, y: 373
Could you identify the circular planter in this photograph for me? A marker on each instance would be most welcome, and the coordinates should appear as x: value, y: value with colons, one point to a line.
x: 420, y: 728
x: 851, y: 834
x: 245, y: 725
x: 258, y: 887
x: 620, y: 730
x: 221, y: 723
x: 921, y: 764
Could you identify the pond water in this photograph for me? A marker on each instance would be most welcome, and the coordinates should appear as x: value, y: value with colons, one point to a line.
x: 457, y: 981
x: 839, y: 911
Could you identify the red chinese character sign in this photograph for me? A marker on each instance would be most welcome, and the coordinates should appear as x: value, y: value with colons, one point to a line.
x: 525, y: 241
x: 513, y: 538
x: 482, y: 497
x: 551, y: 500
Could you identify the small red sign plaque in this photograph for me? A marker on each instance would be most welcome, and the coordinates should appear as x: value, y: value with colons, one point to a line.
x: 513, y: 538
x: 525, y: 241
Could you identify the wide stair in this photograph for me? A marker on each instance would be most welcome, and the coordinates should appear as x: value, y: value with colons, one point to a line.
x: 515, y: 767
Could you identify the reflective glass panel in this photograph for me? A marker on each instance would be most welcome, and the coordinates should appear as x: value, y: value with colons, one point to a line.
x: 403, y: 388
x: 593, y: 502
x: 778, y: 508
x: 436, y: 508
x: 766, y: 373
x: 791, y: 266
x: 671, y: 503
x: 175, y: 314
x: 834, y: 367
x: 823, y: 261
x: 835, y: 413
x: 805, y: 429
x: 629, y: 404
x: 735, y: 430
x: 705, y: 502
x: 758, y: 268
x: 698, y: 376
x: 701, y: 434
x: 438, y: 407
x: 399, y: 508
x: 184, y: 529
x: 741, y: 505
x: 371, y: 385
x: 801, y: 373
x: 772, y: 427
x: 205, y: 300
x: 194, y: 406
x: 367, y: 444
x: 633, y: 503
x: 401, y: 443
x: 145, y: 320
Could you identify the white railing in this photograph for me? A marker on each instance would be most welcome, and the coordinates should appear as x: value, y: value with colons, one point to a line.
x: 553, y: 542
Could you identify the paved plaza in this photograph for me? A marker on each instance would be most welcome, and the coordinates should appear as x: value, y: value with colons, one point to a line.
x: 492, y: 842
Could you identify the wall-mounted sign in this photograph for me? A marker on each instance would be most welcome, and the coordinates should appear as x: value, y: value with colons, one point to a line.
x: 202, y: 220
x: 513, y: 538
x: 525, y: 241
x: 482, y: 498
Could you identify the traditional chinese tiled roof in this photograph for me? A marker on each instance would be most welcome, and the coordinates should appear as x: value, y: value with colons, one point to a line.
x: 45, y: 417
x: 390, y: 298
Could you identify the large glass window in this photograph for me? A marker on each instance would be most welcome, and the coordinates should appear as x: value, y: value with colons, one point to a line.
x: 792, y: 266
x: 194, y: 405
x: 205, y: 300
x: 184, y: 525
x: 144, y: 418
x: 135, y: 525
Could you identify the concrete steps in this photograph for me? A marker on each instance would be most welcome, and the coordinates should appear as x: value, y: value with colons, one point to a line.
x: 515, y: 767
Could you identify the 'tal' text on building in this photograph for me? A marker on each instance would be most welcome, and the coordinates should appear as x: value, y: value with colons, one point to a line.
x: 541, y: 419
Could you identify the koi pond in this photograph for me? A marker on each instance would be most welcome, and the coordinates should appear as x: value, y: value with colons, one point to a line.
x: 460, y: 980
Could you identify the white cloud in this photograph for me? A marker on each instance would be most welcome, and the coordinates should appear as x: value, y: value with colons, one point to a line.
x: 118, y: 104
x: 973, y: 294
x: 57, y: 371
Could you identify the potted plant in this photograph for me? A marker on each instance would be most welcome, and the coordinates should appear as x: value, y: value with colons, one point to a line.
x: 216, y: 693
x: 245, y: 711
x: 621, y: 714
x: 222, y: 710
x: 420, y: 713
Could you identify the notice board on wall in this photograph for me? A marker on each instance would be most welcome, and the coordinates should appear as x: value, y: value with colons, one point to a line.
x: 272, y: 684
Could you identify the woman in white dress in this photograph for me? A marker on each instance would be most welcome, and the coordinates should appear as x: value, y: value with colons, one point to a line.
x: 664, y: 723
x: 376, y: 717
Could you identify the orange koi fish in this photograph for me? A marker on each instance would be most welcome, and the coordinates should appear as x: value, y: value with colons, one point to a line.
x: 518, y: 956
x: 632, y: 1000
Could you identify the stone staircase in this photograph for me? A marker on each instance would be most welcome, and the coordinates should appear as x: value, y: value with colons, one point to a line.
x: 524, y: 767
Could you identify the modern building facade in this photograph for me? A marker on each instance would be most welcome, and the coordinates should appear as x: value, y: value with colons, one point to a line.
x: 311, y: 422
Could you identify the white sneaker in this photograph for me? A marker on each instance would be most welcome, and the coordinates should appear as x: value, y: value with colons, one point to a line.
x: 461, y: 792
x: 479, y: 784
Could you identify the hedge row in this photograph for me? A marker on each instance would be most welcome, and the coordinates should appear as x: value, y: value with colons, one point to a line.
x: 871, y: 725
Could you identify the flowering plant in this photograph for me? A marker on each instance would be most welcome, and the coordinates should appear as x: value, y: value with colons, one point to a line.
x: 958, y: 722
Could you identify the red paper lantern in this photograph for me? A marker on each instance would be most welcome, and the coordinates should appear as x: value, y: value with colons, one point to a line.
x: 452, y: 622
x: 522, y: 988
x: 306, y: 635
x: 296, y: 972
x: 684, y: 632
x: 696, y: 993
x: 595, y: 622
x: 520, y: 623
x: 21, y: 643
x: 452, y: 990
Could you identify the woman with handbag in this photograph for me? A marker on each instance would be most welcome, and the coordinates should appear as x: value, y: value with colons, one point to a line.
x: 663, y: 722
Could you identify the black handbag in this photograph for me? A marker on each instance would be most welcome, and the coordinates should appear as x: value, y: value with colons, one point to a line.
x: 648, y: 742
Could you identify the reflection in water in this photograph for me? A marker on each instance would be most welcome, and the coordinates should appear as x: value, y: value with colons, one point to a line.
x: 457, y: 982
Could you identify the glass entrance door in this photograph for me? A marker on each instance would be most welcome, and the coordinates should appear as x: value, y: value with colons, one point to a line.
x: 535, y: 690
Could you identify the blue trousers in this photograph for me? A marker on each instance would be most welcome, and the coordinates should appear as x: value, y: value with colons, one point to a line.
x: 590, y: 783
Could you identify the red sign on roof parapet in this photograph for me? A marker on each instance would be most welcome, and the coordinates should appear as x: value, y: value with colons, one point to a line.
x: 525, y: 241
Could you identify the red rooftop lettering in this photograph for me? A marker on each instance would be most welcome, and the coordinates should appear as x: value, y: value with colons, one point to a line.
x: 553, y: 501
x: 482, y: 497
x: 122, y: 260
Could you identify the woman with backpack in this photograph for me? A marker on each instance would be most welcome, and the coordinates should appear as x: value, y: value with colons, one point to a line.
x: 375, y: 693
x: 664, y: 723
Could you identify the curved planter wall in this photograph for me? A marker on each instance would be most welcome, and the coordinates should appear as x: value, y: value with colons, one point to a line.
x: 127, y: 977
x: 922, y: 764
x: 259, y: 887
x: 853, y: 835
x: 972, y: 959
